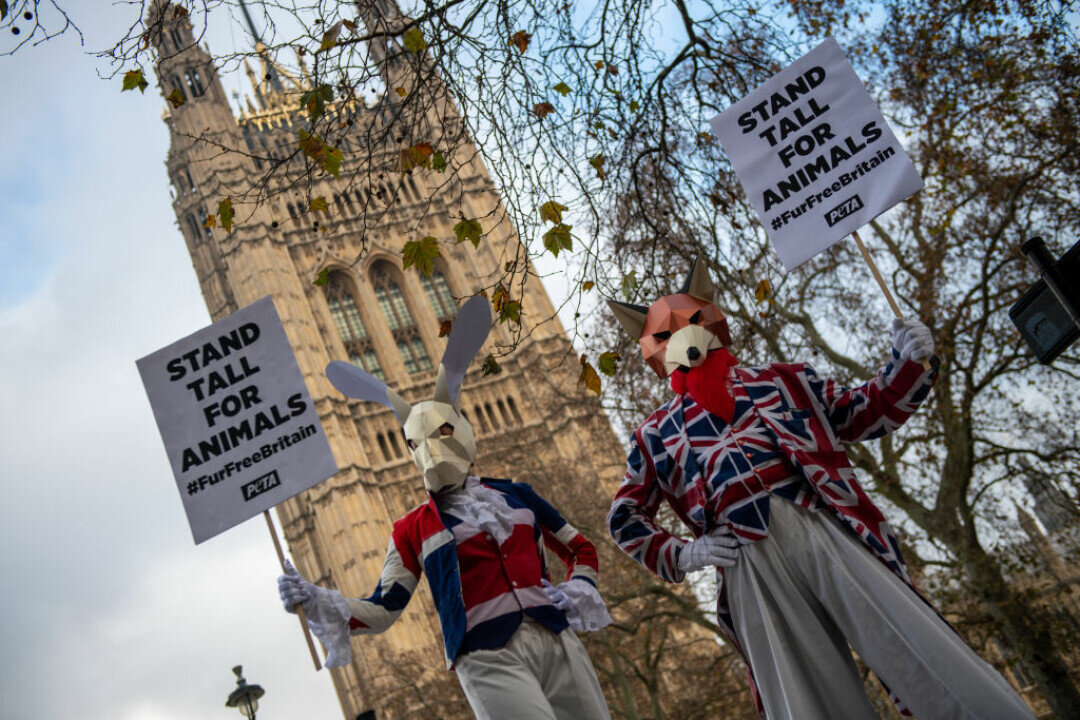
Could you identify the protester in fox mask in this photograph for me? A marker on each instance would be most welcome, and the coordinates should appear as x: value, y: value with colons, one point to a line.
x: 508, y: 632
x: 752, y: 461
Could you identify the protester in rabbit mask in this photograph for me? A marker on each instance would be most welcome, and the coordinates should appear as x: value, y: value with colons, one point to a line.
x: 507, y: 631
x: 752, y: 460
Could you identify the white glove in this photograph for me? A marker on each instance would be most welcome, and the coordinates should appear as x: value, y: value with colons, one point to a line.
x: 581, y: 602
x: 295, y: 590
x: 720, y: 547
x: 912, y: 340
x: 558, y: 598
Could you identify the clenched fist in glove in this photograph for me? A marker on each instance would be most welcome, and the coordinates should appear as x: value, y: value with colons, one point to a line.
x: 912, y: 340
x: 327, y: 613
x: 720, y: 547
x: 294, y: 589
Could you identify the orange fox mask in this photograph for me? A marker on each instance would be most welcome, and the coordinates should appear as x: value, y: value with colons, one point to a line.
x: 677, y: 331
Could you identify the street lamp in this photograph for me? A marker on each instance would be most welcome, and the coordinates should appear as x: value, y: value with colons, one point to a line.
x: 244, y: 698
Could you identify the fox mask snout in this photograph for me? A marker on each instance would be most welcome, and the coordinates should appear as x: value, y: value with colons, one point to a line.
x: 677, y: 330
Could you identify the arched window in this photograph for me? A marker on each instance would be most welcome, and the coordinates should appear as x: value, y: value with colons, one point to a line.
x: 513, y: 409
x: 503, y: 414
x: 399, y: 318
x: 438, y: 292
x: 346, y: 314
x: 480, y: 417
x: 194, y: 82
x: 178, y: 42
x: 193, y: 227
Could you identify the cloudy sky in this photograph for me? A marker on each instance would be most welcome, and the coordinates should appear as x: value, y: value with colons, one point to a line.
x: 108, y: 610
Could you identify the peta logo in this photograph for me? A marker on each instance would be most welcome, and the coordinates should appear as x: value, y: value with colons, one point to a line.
x: 844, y: 209
x: 260, y: 485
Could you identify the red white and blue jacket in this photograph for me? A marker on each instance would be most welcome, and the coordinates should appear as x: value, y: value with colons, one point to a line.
x: 482, y: 590
x: 810, y: 417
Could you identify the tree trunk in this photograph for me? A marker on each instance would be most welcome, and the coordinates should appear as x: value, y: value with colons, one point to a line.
x: 1024, y: 630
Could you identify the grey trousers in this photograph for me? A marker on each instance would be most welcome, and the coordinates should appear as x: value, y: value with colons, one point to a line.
x: 802, y: 595
x: 538, y: 675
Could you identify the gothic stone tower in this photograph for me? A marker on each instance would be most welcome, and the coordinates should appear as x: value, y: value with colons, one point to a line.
x: 532, y: 422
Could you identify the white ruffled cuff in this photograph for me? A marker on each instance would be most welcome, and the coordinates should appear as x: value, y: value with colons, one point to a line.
x: 588, y: 612
x: 328, y: 617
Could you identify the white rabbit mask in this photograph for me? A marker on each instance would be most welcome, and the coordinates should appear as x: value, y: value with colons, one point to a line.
x: 442, y: 444
x: 440, y: 439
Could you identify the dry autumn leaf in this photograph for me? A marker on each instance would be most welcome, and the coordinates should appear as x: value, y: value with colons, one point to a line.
x: 520, y: 40
x: 542, y: 110
x: 552, y: 211
x: 588, y: 376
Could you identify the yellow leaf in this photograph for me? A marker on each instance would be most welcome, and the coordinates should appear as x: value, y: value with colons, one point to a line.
x: 225, y: 213
x: 401, y: 91
x: 329, y: 38
x: 176, y: 98
x: 552, y: 211
x: 499, y: 297
x: 763, y: 291
x: 608, y: 362
x: 587, y: 285
x: 413, y: 40
x: 134, y: 79
x: 562, y: 88
x: 318, y: 205
x: 588, y: 376
x: 210, y: 222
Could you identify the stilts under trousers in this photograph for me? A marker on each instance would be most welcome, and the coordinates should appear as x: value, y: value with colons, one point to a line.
x: 800, y: 596
x: 538, y: 675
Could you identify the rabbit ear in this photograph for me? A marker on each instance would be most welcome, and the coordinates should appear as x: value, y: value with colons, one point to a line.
x: 353, y: 382
x: 467, y: 335
x: 442, y: 392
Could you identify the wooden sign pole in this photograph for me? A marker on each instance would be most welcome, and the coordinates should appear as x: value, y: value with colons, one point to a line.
x: 881, y: 283
x: 299, y: 608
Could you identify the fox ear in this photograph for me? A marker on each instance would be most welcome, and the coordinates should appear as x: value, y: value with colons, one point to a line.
x: 698, y: 283
x: 631, y: 317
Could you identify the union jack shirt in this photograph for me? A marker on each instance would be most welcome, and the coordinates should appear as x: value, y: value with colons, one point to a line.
x: 685, y: 456
x: 743, y: 467
x: 483, y: 590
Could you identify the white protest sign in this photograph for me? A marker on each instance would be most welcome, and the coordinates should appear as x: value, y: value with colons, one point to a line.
x: 814, y: 154
x: 240, y: 429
